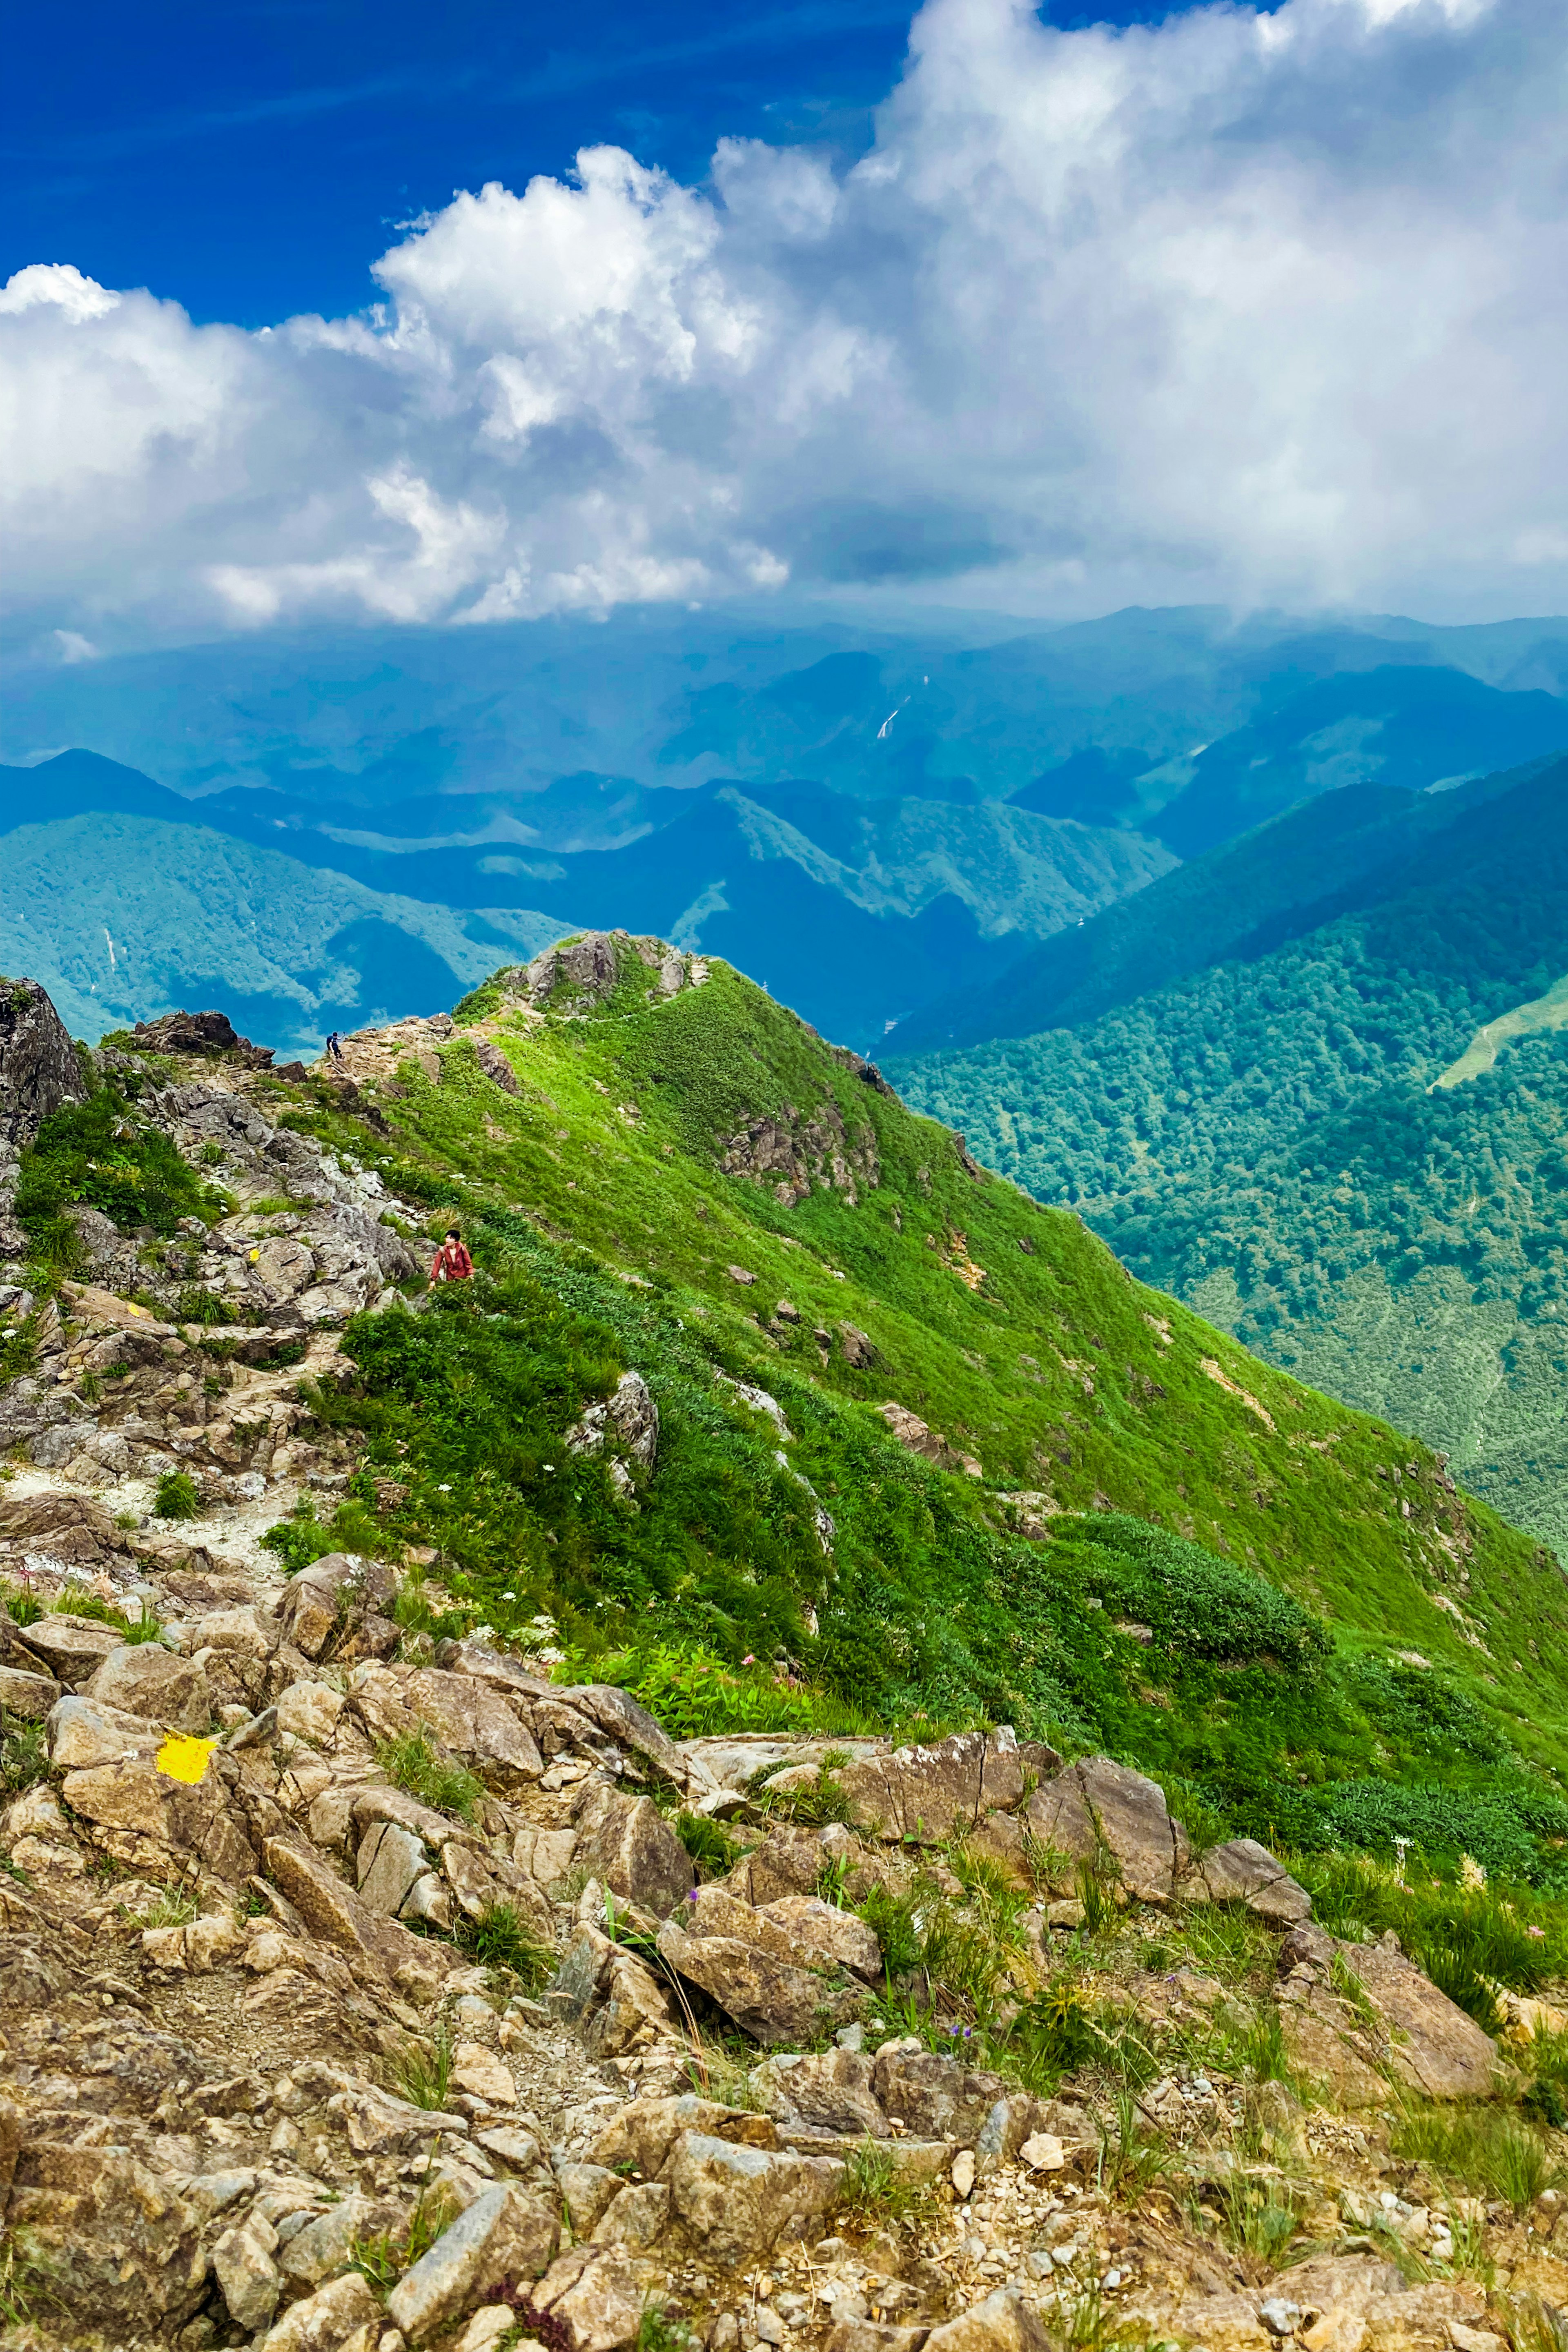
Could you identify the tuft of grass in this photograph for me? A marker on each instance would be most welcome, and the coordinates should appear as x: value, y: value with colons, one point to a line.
x: 176, y: 1497
x: 414, y: 1763
x: 176, y: 1906
x: 1253, y: 2219
x: 422, y: 2071
x: 24, y: 1755
x: 1054, y: 2034
x: 710, y: 1844
x: 893, y: 1920
x: 1100, y: 1912
x: 1258, y: 2050
x: 21, y: 2277
x: 1486, y: 2151
x: 22, y: 1607
x: 658, y: 2331
x: 500, y: 1938
x: 874, y: 2189
x: 1131, y: 2160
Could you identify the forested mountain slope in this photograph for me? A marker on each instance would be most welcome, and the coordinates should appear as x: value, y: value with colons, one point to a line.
x: 1267, y: 1137
x: 125, y: 896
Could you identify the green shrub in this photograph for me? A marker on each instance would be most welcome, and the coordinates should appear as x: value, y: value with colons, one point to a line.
x: 300, y: 1538
x: 102, y: 1154
x: 414, y: 1762
x: 710, y: 1844
x: 500, y: 1938
x: 176, y: 1497
x: 24, y: 1755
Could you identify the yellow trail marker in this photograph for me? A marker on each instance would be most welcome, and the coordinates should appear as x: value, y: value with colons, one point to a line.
x: 184, y: 1760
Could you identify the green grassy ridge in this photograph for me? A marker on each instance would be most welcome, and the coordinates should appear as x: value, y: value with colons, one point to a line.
x: 1261, y: 1138
x: 605, y: 1228
x: 567, y: 1191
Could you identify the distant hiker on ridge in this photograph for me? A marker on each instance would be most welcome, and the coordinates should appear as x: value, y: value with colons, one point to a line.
x: 334, y: 1049
x: 453, y: 1263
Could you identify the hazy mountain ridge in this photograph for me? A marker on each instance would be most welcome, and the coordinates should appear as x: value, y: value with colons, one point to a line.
x: 1261, y: 1136
x: 921, y: 894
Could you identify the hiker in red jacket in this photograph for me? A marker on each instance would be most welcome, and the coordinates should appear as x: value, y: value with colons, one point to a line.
x: 453, y: 1263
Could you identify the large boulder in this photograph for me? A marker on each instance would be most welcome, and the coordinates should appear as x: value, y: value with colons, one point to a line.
x: 929, y: 1794
x: 935, y: 2097
x: 740, y: 2201
x: 827, y: 2092
x: 70, y: 1648
x: 1432, y: 2044
x: 1242, y: 1871
x: 117, y: 2244
x: 142, y: 1678
x: 769, y: 1998
x: 330, y: 1597
x: 593, y: 2296
x: 1103, y: 1813
x: 627, y: 1843
x: 505, y: 2234
x: 40, y: 1069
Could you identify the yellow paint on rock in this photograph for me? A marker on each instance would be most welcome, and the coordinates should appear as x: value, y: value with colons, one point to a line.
x: 184, y: 1760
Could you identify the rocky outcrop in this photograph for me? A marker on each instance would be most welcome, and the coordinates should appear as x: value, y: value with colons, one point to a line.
x: 40, y: 1069
x: 211, y: 1035
x: 912, y: 1432
x: 627, y: 1420
x: 795, y: 1153
x: 363, y: 1993
x: 578, y: 976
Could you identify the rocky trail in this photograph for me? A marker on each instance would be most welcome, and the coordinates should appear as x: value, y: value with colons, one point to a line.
x: 361, y: 1992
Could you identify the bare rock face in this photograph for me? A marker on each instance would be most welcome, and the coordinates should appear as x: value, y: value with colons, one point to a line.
x: 577, y: 976
x: 1242, y: 1871
x: 1100, y: 1808
x: 928, y: 1793
x: 39, y: 1067
x: 796, y: 1154
x: 199, y: 1032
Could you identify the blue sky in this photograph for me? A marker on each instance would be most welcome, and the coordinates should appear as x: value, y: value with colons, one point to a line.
x: 249, y: 159
x: 327, y: 313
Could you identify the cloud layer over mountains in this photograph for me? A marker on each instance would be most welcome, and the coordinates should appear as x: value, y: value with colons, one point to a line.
x: 1263, y: 307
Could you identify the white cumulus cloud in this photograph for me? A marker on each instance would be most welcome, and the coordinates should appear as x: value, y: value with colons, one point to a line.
x: 1258, y: 308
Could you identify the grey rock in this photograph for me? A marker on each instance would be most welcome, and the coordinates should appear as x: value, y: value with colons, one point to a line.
x: 1097, y: 1809
x: 627, y: 1843
x: 143, y: 1678
x: 594, y: 2295
x: 636, y: 2218
x: 935, y: 2096
x: 1003, y: 2323
x: 742, y: 2201
x: 390, y: 1863
x: 505, y: 2233
x: 40, y: 1069
x: 30, y: 1695
x: 329, y: 2318
x: 1242, y: 1871
x: 587, y: 2189
x: 768, y: 1999
x: 243, y: 2264
x: 70, y: 1648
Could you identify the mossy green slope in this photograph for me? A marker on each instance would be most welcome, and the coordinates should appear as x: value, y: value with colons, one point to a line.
x: 609, y: 1235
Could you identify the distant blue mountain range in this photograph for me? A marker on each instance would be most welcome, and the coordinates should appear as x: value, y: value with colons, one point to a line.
x: 882, y: 829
